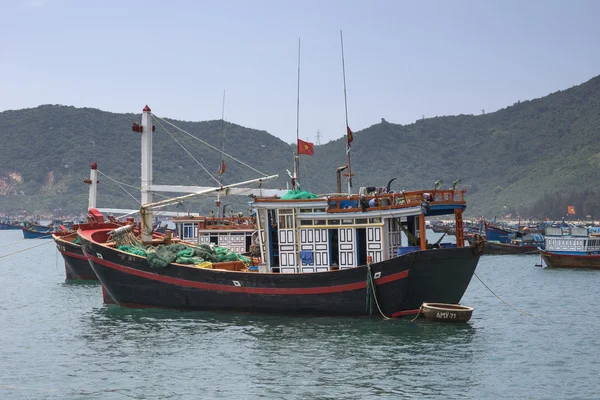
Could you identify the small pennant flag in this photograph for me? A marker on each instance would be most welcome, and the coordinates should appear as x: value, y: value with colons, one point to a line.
x: 350, y: 136
x: 571, y: 210
x: 305, y: 147
x: 223, y: 167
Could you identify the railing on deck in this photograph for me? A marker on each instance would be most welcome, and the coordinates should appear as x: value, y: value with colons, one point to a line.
x: 219, y: 223
x: 387, y: 201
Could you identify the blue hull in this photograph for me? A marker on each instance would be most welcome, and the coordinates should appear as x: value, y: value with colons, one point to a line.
x: 5, y: 227
x: 33, y: 234
x: 497, y: 234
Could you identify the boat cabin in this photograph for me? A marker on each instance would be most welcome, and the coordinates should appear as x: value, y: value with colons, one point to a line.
x: 345, y: 231
x: 234, y: 233
x: 577, y: 241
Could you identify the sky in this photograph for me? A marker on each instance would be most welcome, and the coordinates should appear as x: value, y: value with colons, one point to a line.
x: 404, y: 60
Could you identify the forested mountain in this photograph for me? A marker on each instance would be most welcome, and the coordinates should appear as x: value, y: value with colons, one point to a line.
x: 510, y: 161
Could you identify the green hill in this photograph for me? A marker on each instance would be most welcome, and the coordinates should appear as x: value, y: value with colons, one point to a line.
x: 509, y: 160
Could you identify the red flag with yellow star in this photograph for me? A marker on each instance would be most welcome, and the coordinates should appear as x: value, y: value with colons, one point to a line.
x: 306, y: 147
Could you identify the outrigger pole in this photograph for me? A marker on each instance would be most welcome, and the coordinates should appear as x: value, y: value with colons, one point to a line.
x: 297, y: 157
x: 349, y: 171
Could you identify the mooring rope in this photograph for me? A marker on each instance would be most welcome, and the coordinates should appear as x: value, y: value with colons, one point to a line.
x: 370, y: 281
x: 29, y: 248
x: 500, y: 298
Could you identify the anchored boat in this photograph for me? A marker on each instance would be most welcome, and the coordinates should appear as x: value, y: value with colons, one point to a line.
x: 576, y: 249
x: 447, y: 312
x: 314, y: 253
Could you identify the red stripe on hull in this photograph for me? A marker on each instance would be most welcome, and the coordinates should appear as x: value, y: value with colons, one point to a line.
x: 72, y: 255
x: 405, y: 313
x: 250, y: 290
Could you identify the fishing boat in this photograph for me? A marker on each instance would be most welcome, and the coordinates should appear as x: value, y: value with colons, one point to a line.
x: 524, y: 244
x: 575, y: 249
x: 36, y: 231
x: 337, y: 254
x: 498, y: 234
x: 8, y: 224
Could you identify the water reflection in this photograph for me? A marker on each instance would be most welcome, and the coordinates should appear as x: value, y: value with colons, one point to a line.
x: 308, y: 357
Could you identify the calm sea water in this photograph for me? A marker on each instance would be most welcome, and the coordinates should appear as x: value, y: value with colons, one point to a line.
x: 58, y: 341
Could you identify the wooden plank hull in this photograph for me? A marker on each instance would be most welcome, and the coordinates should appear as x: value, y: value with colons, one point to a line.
x: 557, y: 260
x: 492, y: 248
x: 507, y: 248
x: 77, y: 266
x: 402, y: 284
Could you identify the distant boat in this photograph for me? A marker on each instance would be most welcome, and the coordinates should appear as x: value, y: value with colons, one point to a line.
x: 577, y: 249
x: 9, y: 225
x: 35, y: 231
x: 527, y: 244
x: 495, y: 233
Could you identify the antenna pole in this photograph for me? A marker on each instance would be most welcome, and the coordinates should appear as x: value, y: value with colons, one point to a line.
x: 349, y: 172
x: 296, y: 157
x: 222, y: 138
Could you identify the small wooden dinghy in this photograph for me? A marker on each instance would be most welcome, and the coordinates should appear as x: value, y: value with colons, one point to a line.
x: 446, y: 312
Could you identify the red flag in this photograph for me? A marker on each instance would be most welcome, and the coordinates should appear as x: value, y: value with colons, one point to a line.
x: 350, y: 136
x: 223, y: 167
x: 305, y: 147
x: 571, y: 210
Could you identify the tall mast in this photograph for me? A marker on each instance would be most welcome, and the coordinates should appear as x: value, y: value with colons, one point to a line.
x: 93, y: 181
x: 296, y: 157
x: 146, y: 131
x: 349, y: 172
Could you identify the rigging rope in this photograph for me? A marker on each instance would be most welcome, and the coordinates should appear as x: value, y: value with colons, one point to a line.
x: 131, y: 186
x: 28, y: 248
x: 120, y: 185
x: 209, y: 145
x: 190, y: 154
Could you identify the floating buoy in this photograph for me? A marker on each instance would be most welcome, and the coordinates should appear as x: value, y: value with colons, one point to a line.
x: 446, y: 312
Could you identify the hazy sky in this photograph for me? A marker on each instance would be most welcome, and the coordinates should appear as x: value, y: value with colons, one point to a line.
x: 404, y: 59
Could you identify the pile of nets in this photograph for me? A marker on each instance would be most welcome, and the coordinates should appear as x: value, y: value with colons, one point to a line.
x: 201, y: 255
x: 298, y: 195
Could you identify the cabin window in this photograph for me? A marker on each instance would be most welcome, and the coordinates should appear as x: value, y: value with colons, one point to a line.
x: 361, y: 220
x: 187, y: 231
x: 374, y: 220
x: 286, y: 221
x: 306, y: 222
x: 306, y: 210
x: 347, y: 221
x: 334, y: 222
x: 319, y: 210
x: 320, y: 222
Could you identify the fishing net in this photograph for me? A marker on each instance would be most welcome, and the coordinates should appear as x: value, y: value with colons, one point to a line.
x: 160, y: 257
x: 133, y: 250
x: 298, y: 195
x: 202, y: 255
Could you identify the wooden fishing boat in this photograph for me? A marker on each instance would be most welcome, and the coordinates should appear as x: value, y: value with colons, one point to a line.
x: 338, y: 254
x: 562, y: 260
x: 498, y: 234
x: 31, y: 231
x: 447, y: 312
x: 8, y: 224
x: 527, y: 244
x: 575, y: 249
